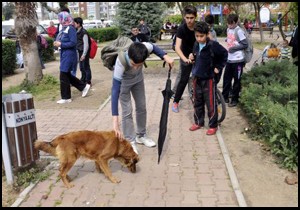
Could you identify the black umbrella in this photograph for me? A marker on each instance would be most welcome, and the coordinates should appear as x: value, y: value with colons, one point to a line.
x: 167, y: 93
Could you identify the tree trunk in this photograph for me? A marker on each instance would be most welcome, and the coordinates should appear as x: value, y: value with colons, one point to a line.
x: 25, y: 27
x: 280, y: 25
x: 32, y: 64
x: 180, y: 8
x: 262, y: 39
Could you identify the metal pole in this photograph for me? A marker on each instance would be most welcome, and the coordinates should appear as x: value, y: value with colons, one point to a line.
x: 5, y: 153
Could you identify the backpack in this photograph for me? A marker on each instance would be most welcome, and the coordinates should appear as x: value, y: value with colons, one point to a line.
x: 248, y: 52
x: 116, y: 48
x: 93, y: 48
x: 44, y: 42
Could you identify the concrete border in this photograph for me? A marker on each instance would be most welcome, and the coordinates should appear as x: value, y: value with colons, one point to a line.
x: 231, y: 172
x: 23, y: 194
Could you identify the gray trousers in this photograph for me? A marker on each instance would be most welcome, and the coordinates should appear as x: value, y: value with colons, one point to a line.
x: 137, y: 91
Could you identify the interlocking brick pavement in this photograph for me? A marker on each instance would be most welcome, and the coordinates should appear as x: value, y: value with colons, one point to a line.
x: 192, y: 171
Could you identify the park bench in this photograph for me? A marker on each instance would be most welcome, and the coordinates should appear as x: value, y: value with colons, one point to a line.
x: 270, y: 29
x: 170, y: 31
x: 167, y: 48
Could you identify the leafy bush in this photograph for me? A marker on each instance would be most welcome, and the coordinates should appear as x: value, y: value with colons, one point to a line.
x: 174, y: 19
x: 270, y: 101
x: 9, y: 58
x: 104, y: 34
x: 48, y: 53
x: 221, y: 30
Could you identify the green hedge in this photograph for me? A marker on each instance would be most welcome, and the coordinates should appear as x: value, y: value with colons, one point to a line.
x: 48, y: 53
x: 221, y: 30
x: 9, y: 57
x: 104, y: 34
x: 269, y: 99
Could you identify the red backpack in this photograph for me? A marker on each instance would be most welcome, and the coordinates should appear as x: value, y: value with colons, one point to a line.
x: 44, y: 42
x: 93, y: 48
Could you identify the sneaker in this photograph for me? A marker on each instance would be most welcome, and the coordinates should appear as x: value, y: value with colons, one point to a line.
x: 175, y: 107
x: 86, y: 90
x: 195, y: 127
x: 211, y: 131
x: 146, y: 141
x: 232, y: 104
x: 226, y: 100
x: 63, y: 101
x: 134, y: 147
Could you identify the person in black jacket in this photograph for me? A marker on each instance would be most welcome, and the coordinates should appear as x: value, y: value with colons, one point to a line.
x: 209, y: 59
x: 136, y: 36
x: 83, y: 48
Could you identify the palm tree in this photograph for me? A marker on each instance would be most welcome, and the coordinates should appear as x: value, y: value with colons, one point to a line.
x: 25, y: 27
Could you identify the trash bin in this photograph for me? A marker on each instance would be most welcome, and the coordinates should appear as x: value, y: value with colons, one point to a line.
x: 20, y: 127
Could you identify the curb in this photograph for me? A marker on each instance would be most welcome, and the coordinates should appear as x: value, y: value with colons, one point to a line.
x: 231, y: 172
x: 23, y: 194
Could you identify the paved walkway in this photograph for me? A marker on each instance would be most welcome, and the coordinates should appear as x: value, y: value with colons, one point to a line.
x: 192, y: 171
x: 195, y: 169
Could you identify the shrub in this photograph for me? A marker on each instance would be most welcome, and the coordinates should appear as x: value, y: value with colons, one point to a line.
x: 48, y: 53
x: 104, y: 34
x: 221, y: 30
x: 174, y: 19
x: 270, y: 101
x: 8, y: 57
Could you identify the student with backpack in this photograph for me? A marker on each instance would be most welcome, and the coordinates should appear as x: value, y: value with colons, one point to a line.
x: 236, y: 43
x: 128, y: 80
x: 83, y: 48
x: 209, y: 59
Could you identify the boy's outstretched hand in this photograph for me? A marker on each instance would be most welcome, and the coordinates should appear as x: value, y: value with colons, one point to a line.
x: 169, y: 60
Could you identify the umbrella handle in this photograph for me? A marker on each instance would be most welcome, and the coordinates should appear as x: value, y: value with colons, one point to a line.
x: 170, y: 68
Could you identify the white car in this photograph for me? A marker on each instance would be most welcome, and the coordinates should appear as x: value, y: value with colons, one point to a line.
x: 7, y: 25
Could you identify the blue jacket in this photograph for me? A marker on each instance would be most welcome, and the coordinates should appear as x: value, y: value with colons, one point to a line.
x: 68, y: 53
x: 213, y: 55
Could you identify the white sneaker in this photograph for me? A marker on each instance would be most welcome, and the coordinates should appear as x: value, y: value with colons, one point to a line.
x: 63, y: 101
x: 146, y: 141
x: 134, y: 147
x: 86, y: 90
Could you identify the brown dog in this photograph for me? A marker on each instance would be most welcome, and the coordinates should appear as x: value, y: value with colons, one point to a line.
x: 99, y: 146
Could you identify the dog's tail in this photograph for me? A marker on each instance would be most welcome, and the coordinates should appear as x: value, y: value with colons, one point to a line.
x: 45, y: 146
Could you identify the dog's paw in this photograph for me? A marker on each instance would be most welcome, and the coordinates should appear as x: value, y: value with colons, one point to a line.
x: 115, y: 180
x: 70, y: 186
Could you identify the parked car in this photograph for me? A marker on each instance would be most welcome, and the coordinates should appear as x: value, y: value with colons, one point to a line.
x: 8, y: 25
x: 92, y: 24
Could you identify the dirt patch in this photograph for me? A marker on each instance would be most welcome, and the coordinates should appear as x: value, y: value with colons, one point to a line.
x: 262, y: 181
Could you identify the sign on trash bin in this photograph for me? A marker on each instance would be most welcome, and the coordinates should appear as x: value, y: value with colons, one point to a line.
x: 20, y: 127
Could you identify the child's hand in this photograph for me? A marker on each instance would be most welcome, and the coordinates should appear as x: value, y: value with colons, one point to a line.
x: 216, y: 70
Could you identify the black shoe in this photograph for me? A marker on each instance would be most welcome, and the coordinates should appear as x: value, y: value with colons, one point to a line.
x: 226, y: 101
x: 232, y: 104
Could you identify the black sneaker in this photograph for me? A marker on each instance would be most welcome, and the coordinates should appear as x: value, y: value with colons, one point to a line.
x: 232, y: 104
